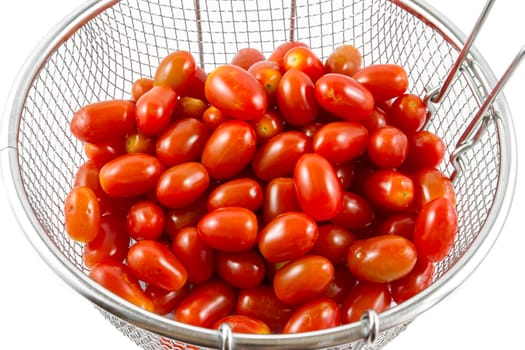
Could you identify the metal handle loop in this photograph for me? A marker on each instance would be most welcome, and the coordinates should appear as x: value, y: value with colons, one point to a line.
x: 370, y: 321
x: 226, y: 337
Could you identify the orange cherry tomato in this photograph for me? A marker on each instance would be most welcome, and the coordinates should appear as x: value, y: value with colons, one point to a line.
x: 82, y: 214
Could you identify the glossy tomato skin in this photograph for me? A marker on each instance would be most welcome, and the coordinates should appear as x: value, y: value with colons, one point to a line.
x: 425, y: 150
x: 288, y: 236
x: 344, y: 97
x: 145, y: 220
x: 303, y: 279
x: 261, y: 303
x: 229, y: 149
x: 241, y: 192
x: 408, y: 112
x: 345, y: 59
x: 375, y: 120
x: 279, y: 197
x: 296, y: 98
x: 317, y: 314
x: 140, y: 86
x: 269, y: 125
x: 101, y: 153
x: 381, y: 259
x: 182, y: 184
x: 177, y: 219
x: 243, y: 324
x: 304, y: 59
x: 212, y: 117
x: 341, y: 285
x: 236, y: 92
x: 130, y: 175
x: 388, y: 147
x: 415, y: 282
x: 175, y: 71
x: 137, y: 142
x: 278, y: 156
x: 246, y: 57
x: 356, y: 212
x: 435, y: 230
x: 87, y: 175
x: 82, y: 214
x: 389, y: 190
x: 340, y: 142
x: 431, y: 183
x: 154, y: 263
x: 206, y: 303
x: 280, y: 51
x: 189, y: 107
x: 111, y: 242
x: 333, y: 243
x: 154, y: 110
x: 117, y: 278
x: 195, y: 87
x: 346, y: 174
x: 102, y: 121
x: 229, y: 229
x: 165, y: 301
x: 399, y: 224
x: 384, y: 81
x: 318, y: 189
x: 194, y: 254
x: 245, y: 269
x: 183, y: 141
x: 365, y: 296
x: 269, y: 74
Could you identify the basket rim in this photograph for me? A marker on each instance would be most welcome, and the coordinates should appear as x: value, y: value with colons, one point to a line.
x: 396, y: 316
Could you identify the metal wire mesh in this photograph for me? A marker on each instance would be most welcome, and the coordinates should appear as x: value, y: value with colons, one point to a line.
x: 105, y: 55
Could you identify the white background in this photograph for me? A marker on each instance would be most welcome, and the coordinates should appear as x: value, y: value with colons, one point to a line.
x: 38, y: 310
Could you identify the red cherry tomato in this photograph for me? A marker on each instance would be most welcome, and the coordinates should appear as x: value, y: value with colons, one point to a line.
x: 176, y: 71
x: 431, y: 183
x: 345, y: 59
x: 365, y: 296
x: 278, y: 156
x: 243, y: 192
x: 346, y: 174
x: 190, y: 107
x: 340, y: 142
x: 303, y: 279
x: 389, y: 190
x: 195, y: 87
x: 435, y: 230
x: 206, y: 303
x: 154, y: 263
x: 279, y: 197
x: 296, y: 98
x: 381, y: 259
x: 117, y: 278
x: 317, y: 314
x: 229, y: 229
x: 236, y: 93
x: 154, y: 110
x: 333, y: 243
x: 177, y: 219
x: 213, y: 117
x: 416, y: 281
x: 182, y: 184
x: 137, y: 142
x: 269, y: 74
x: 278, y: 53
x: 103, y: 152
x: 388, y: 147
x: 245, y: 269
x: 103, y: 121
x: 165, y: 301
x: 246, y: 57
x: 243, y: 324
x: 356, y: 213
x: 194, y: 254
x: 399, y: 224
x: 145, y: 220
x: 341, y: 285
x: 344, y: 97
x: 384, y: 81
x: 140, y: 86
x: 183, y: 141
x: 375, y: 120
x: 408, y: 112
x: 269, y: 125
x: 288, y: 236
x: 88, y: 176
x: 318, y: 189
x: 82, y: 214
x: 305, y: 60
x: 130, y: 175
x: 425, y: 150
x: 229, y: 149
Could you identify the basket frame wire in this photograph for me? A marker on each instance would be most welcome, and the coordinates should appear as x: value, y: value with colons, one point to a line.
x: 396, y: 316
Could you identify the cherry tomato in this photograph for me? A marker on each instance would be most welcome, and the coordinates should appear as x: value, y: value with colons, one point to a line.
x: 279, y: 155
x: 318, y: 189
x: 399, y: 224
x: 117, y: 278
x: 165, y: 301
x: 140, y: 86
x: 341, y: 285
x: 261, y: 303
x: 175, y: 71
x: 343, y: 96
x: 145, y: 220
x: 246, y: 57
x: 243, y: 324
x: 388, y: 147
x: 183, y: 141
x: 408, y: 112
x: 431, y: 183
x: 194, y: 254
x: 269, y: 125
x: 375, y: 120
x: 229, y: 229
x: 278, y: 53
x: 317, y: 314
x: 177, y: 219
x: 312, y: 128
x: 229, y: 149
x: 111, y: 242
x: 195, y: 87
x: 103, y: 121
x: 305, y: 60
x: 435, y: 230
x: 130, y: 175
x: 288, y: 236
x: 345, y: 59
x: 269, y: 74
x: 206, y: 303
x: 154, y: 263
x: 279, y: 198
x: 182, y: 184
x: 189, y: 107
x: 333, y: 243
x: 213, y: 117
x: 381, y: 259
x: 236, y: 93
x: 296, y: 98
x: 389, y: 190
x: 425, y: 150
x: 365, y: 296
x: 340, y: 142
x: 88, y: 176
x: 356, y: 213
x: 245, y: 269
x: 416, y: 281
x: 303, y: 279
x: 242, y: 192
x: 103, y: 152
x: 137, y: 142
x: 384, y: 81
x: 346, y: 174
x: 82, y: 214
x: 154, y: 110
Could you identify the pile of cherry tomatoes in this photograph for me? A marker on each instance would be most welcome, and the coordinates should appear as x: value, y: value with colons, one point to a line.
x: 278, y: 194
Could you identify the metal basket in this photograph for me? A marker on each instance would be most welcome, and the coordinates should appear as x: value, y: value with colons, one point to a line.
x: 100, y: 49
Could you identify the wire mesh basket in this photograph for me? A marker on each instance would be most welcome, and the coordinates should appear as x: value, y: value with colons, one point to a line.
x: 99, y: 50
